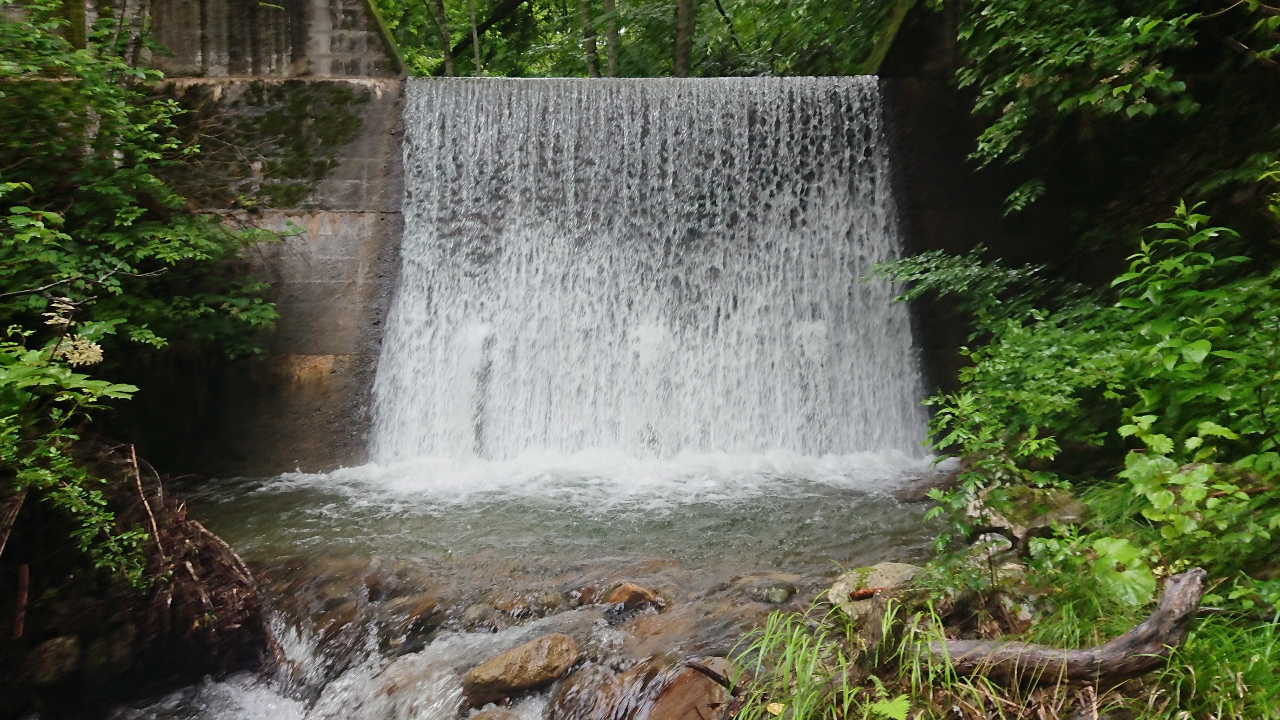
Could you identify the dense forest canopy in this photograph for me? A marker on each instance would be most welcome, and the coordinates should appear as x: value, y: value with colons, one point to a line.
x: 643, y: 38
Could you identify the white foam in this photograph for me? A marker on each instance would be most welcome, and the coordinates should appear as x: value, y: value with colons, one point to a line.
x: 607, y: 479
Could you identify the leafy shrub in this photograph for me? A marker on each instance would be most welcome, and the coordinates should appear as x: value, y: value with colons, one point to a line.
x: 94, y: 246
x: 1170, y: 377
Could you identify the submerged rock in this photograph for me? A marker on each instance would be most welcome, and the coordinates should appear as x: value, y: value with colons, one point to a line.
x: 653, y: 689
x: 771, y: 588
x: 689, y: 695
x: 631, y: 596
x: 531, y: 666
x: 774, y: 593
x: 853, y: 591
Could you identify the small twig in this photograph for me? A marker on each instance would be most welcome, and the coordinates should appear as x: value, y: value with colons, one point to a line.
x: 728, y: 22
x: 20, y: 614
x: 155, y: 529
x: 42, y: 288
x: 715, y: 676
x: 9, y: 516
x: 1088, y: 709
x: 204, y: 596
x: 1238, y: 46
x: 244, y: 569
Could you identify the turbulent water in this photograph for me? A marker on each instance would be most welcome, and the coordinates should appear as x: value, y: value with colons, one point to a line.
x: 651, y: 266
x: 632, y: 341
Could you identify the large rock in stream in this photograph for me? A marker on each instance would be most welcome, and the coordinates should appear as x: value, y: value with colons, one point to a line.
x: 531, y: 666
x: 853, y: 592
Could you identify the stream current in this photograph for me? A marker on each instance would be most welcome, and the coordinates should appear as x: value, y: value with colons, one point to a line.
x: 631, y: 342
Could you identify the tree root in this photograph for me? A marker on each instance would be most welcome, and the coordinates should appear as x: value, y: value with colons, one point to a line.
x: 1141, y: 650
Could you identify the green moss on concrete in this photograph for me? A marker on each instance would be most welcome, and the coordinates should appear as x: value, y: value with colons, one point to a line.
x: 267, y: 144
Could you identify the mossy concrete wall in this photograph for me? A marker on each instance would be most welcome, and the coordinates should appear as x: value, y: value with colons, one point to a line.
x: 299, y: 115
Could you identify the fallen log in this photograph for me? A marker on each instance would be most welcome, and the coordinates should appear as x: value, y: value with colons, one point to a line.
x: 1134, y: 653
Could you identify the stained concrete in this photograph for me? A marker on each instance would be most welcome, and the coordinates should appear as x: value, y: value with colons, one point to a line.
x: 306, y: 404
x: 285, y: 38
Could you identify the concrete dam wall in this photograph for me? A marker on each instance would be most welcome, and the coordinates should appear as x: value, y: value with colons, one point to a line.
x: 299, y: 110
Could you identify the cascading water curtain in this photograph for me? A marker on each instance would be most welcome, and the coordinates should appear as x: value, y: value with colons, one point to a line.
x: 655, y: 266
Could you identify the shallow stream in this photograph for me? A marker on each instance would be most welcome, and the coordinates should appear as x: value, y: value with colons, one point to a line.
x: 451, y: 562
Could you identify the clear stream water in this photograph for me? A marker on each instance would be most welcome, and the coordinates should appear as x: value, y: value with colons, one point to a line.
x: 631, y: 342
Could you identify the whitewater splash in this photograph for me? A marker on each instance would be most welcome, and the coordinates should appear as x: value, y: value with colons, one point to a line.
x: 655, y: 267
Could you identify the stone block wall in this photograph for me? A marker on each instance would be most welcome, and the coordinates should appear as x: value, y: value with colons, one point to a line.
x: 305, y: 405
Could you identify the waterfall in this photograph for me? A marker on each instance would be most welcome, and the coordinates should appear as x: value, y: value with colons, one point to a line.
x: 657, y: 267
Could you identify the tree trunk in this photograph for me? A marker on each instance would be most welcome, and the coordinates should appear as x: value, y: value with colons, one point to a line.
x: 475, y: 35
x: 589, y: 39
x: 1138, y: 651
x: 442, y: 24
x: 686, y: 14
x: 611, y: 38
x: 76, y: 29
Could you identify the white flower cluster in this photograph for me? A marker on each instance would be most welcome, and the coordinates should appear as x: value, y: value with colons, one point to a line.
x: 61, y: 315
x: 79, y: 350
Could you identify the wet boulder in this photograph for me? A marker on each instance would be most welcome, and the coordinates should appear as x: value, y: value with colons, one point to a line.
x: 531, y: 666
x: 688, y: 695
x: 53, y: 660
x: 770, y: 588
x: 631, y: 596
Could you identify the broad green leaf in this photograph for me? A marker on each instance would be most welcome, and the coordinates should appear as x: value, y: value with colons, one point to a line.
x: 1121, y: 572
x: 1197, y: 351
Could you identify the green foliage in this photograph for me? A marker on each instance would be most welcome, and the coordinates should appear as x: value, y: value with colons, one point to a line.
x: 1182, y: 358
x: 1223, y: 670
x: 95, y: 250
x: 732, y: 37
x: 1030, y: 61
x: 805, y: 671
x: 1273, y: 175
x: 1122, y: 572
x: 41, y: 400
x: 86, y: 142
x: 1046, y: 75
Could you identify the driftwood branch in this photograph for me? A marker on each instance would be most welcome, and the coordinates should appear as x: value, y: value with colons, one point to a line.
x: 155, y: 529
x: 1134, y: 653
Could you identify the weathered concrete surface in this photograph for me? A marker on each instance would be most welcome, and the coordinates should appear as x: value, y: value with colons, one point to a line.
x: 306, y: 405
x: 286, y: 38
